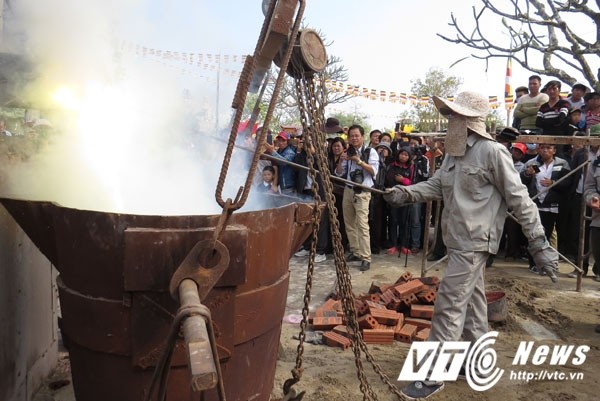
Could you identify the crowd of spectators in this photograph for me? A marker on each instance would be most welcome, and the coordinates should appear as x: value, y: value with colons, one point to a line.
x: 382, y: 160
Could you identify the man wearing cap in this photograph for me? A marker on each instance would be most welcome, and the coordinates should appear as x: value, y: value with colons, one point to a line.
x: 286, y: 176
x: 478, y: 183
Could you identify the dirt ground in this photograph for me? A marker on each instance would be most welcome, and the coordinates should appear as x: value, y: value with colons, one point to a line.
x: 538, y: 310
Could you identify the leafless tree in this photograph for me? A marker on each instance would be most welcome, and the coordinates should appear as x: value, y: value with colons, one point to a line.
x: 554, y: 38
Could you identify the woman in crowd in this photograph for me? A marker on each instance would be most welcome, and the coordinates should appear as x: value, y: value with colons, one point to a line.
x: 400, y: 172
x: 336, y: 147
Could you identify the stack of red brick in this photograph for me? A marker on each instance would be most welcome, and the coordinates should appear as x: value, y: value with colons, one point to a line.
x: 401, y: 311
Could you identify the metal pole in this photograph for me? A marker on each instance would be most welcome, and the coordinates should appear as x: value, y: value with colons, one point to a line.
x: 201, y: 359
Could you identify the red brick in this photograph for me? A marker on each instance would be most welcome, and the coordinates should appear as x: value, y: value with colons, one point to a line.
x: 406, y: 333
x: 387, y: 296
x: 374, y: 305
x: 422, y: 335
x: 385, y: 316
x: 406, y: 302
x: 385, y: 327
x: 420, y: 323
x: 328, y: 305
x: 336, y: 340
x: 406, y: 289
x: 378, y: 336
x: 394, y: 304
x: 343, y: 331
x: 400, y: 322
x: 404, y: 278
x: 324, y: 313
x: 426, y: 297
x: 367, y: 322
x: 361, y: 307
x: 433, y: 281
x: 375, y: 298
x: 423, y: 311
x: 326, y: 323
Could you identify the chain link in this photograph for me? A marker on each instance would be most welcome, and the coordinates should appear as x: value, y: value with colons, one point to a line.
x: 311, y: 96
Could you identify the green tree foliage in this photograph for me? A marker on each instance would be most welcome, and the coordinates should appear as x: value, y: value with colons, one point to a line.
x: 436, y: 83
x: 348, y: 119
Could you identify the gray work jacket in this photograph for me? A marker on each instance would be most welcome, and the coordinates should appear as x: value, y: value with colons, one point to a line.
x: 477, y: 188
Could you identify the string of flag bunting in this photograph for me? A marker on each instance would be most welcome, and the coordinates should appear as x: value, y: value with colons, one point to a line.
x: 388, y: 96
x: 216, y: 62
x: 203, y: 61
x: 403, y: 97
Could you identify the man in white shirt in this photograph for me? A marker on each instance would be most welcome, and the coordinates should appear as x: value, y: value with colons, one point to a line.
x: 360, y: 166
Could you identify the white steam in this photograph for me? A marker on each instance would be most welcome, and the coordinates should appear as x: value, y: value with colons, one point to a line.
x: 134, y: 138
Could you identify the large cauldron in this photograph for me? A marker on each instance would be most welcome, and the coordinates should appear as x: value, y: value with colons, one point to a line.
x: 116, y: 308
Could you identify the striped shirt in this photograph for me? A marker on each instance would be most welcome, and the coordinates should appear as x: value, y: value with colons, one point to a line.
x: 553, y: 119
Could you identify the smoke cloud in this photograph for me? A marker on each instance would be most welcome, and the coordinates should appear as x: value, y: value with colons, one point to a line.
x: 127, y: 134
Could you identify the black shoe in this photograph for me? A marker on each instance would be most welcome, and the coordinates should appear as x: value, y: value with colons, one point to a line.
x: 418, y: 390
x: 353, y: 258
x: 598, y: 329
x: 365, y: 265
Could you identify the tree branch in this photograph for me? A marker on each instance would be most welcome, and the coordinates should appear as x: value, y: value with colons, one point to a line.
x: 536, y: 27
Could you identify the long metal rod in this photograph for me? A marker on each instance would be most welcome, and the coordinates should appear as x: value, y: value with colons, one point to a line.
x: 301, y: 167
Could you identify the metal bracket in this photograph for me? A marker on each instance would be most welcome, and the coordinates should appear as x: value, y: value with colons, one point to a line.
x: 204, y: 264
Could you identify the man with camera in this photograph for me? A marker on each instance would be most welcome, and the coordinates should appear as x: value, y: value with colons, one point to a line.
x: 358, y: 164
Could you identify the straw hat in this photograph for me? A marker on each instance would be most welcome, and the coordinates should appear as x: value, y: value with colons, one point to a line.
x: 468, y: 104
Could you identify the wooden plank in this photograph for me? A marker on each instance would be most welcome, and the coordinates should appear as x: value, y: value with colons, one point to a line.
x: 559, y: 140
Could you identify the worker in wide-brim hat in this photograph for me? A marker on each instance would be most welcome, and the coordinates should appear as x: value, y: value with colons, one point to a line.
x: 478, y: 183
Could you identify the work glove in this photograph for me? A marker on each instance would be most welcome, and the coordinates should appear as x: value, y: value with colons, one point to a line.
x: 545, y: 257
x: 396, y: 196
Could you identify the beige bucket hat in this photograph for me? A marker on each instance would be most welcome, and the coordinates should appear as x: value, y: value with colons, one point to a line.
x: 468, y: 104
x: 471, y: 105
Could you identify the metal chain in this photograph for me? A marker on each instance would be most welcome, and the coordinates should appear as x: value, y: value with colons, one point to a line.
x: 317, y: 211
x: 311, y: 102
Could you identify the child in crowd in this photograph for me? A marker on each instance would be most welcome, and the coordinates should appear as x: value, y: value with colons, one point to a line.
x: 268, y: 184
x: 574, y: 119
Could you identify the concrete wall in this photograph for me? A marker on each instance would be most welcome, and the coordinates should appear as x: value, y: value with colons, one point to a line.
x: 28, y: 314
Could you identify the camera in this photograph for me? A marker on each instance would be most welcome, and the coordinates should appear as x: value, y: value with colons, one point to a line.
x: 351, y: 151
x: 357, y: 176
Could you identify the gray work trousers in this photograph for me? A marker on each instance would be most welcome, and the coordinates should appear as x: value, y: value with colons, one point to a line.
x: 460, y: 305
